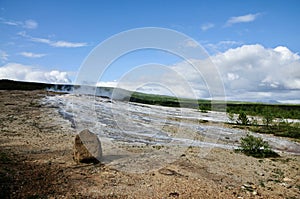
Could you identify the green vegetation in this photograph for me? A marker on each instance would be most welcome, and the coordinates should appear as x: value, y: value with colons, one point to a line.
x: 18, y: 85
x: 288, y: 130
x: 269, y: 124
x: 256, y: 147
x: 279, y: 127
x: 163, y: 100
x: 154, y: 99
x: 231, y: 117
x: 268, y: 116
x: 203, y: 108
x: 291, y: 111
x: 254, y: 109
x: 268, y: 112
x: 243, y: 119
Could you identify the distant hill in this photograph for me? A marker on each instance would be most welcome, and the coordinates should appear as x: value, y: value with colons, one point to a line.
x: 6, y: 84
x: 251, y: 108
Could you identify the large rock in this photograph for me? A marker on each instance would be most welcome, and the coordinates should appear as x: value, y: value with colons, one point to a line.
x: 87, y: 148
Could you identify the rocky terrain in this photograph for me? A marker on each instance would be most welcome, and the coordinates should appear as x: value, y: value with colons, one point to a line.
x: 36, y: 147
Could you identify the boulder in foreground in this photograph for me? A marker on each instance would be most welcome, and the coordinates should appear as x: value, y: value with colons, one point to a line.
x: 87, y: 148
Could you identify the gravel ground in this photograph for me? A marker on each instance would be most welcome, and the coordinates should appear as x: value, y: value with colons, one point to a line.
x: 36, y: 162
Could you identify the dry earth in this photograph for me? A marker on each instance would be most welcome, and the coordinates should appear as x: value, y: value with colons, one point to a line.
x: 36, y: 162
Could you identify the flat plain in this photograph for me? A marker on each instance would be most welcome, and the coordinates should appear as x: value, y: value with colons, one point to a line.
x: 36, y: 162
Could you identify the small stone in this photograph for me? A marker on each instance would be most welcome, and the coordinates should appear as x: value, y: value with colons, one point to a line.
x: 287, y: 179
x: 174, y: 194
x: 249, y: 187
x: 87, y: 148
x: 167, y: 172
x: 284, y: 184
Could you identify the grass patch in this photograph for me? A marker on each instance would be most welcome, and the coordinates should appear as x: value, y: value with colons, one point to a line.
x: 283, y: 131
x: 256, y: 147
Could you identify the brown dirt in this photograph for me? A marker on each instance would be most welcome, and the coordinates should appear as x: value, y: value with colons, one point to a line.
x: 36, y: 162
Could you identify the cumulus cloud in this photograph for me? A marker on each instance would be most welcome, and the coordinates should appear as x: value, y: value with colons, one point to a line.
x: 15, y: 71
x: 28, y: 24
x: 177, y: 80
x: 207, y: 26
x: 60, y: 44
x: 222, y: 45
x: 260, y: 68
x: 242, y: 19
x: 248, y: 73
x: 256, y: 73
x: 232, y: 76
x: 32, y: 55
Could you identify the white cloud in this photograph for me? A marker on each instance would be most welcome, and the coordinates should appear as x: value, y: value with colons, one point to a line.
x: 40, y: 40
x: 67, y: 44
x: 11, y: 23
x: 249, y: 72
x: 222, y: 45
x: 22, y: 33
x: 60, y: 44
x: 242, y: 19
x: 232, y: 76
x: 32, y: 55
x: 295, y: 101
x: 286, y: 54
x: 107, y: 84
x: 156, y: 89
x: 28, y: 24
x: 15, y: 71
x: 252, y: 69
x: 3, y: 56
x: 190, y: 43
x: 207, y: 26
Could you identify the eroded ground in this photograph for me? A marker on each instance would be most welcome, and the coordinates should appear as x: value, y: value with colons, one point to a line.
x: 36, y: 162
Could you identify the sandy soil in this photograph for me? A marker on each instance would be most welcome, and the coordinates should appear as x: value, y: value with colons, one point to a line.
x: 36, y: 162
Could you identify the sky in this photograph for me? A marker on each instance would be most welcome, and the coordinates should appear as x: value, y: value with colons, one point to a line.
x: 254, y: 44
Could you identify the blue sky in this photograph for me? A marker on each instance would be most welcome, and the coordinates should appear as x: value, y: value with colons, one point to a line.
x: 49, y: 40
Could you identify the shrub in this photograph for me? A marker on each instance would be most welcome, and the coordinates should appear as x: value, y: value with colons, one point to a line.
x: 243, y: 119
x: 231, y: 117
x: 282, y: 122
x: 254, y: 121
x: 268, y: 117
x: 203, y: 109
x: 256, y: 147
